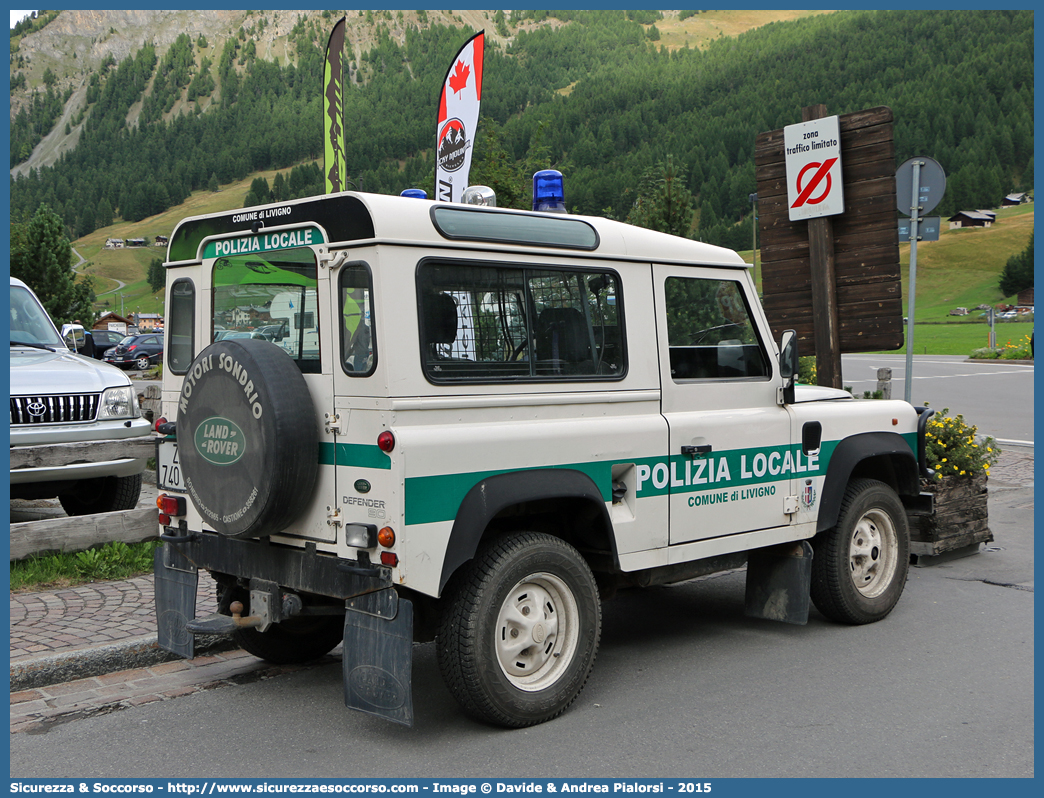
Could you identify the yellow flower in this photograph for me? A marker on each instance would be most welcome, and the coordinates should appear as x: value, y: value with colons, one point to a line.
x: 944, y: 459
x: 962, y: 473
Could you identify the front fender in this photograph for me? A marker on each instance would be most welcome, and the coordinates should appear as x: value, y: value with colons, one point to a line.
x: 884, y: 455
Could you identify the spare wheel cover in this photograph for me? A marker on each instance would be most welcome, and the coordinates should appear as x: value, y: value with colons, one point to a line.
x: 248, y: 438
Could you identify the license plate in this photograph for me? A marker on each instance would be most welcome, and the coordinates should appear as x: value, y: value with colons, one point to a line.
x: 168, y: 466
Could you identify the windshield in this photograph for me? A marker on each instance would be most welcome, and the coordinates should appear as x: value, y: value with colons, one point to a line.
x: 29, y: 322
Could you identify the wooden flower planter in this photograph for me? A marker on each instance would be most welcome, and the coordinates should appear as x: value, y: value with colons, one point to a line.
x: 961, y: 519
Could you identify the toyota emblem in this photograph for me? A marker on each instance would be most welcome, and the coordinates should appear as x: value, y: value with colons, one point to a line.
x: 36, y: 409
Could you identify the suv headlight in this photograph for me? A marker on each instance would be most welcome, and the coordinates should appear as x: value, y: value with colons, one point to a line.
x: 119, y: 403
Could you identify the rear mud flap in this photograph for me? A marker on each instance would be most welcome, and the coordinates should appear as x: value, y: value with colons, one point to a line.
x: 779, y: 579
x: 175, y: 585
x: 378, y: 655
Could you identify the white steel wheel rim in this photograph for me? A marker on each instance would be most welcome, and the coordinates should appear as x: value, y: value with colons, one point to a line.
x: 873, y: 553
x: 537, y: 632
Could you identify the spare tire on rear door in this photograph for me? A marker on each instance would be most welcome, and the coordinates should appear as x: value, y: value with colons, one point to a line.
x: 247, y: 438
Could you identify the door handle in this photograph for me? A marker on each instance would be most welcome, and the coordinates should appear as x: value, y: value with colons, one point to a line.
x: 692, y: 451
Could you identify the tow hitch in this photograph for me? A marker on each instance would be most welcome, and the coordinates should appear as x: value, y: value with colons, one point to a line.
x: 269, y: 606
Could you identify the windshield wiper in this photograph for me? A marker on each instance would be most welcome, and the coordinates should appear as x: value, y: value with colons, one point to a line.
x: 34, y: 346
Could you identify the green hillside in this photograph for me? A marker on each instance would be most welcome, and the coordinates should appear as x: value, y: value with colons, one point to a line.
x: 125, y: 127
x: 594, y: 93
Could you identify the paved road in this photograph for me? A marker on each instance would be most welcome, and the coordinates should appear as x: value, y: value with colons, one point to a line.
x: 684, y: 685
x: 994, y: 395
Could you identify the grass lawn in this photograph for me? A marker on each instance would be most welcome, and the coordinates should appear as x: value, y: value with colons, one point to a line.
x: 961, y: 269
x: 961, y: 339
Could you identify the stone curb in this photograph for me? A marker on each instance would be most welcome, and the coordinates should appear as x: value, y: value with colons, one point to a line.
x: 138, y: 652
x: 998, y: 360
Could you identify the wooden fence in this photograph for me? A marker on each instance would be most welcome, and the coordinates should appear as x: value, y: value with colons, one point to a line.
x: 78, y: 533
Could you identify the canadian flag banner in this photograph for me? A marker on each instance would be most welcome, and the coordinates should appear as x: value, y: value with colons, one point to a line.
x: 458, y: 118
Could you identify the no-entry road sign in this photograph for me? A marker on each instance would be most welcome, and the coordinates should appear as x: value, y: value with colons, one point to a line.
x: 813, y: 160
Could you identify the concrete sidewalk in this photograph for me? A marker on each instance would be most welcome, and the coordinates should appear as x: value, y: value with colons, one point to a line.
x: 96, y: 629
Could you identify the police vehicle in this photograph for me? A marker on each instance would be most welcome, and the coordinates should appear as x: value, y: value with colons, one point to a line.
x: 479, y: 425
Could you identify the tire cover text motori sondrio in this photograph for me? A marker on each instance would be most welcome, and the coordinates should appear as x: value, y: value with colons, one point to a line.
x: 247, y: 438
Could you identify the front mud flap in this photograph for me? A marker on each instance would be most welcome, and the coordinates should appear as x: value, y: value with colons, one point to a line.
x: 175, y: 586
x: 779, y: 579
x: 378, y: 655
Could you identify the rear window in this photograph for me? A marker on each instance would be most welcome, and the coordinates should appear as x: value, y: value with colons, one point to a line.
x: 182, y: 323
x: 276, y: 292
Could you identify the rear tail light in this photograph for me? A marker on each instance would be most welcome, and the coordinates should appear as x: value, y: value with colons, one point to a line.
x: 389, y: 558
x: 170, y: 506
x: 164, y: 427
x: 386, y: 441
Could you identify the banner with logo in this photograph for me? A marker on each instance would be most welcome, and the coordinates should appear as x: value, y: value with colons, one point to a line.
x: 333, y: 111
x: 458, y: 118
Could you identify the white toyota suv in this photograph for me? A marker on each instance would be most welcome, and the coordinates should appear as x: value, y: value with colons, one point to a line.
x: 59, y: 397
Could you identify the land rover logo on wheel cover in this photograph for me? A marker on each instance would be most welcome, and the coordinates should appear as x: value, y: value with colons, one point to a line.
x: 220, y: 440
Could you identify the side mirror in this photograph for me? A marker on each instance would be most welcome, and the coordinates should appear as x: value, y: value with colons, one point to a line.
x: 788, y: 364
x: 73, y: 335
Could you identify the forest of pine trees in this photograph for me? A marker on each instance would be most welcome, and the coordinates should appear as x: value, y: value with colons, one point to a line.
x: 960, y: 84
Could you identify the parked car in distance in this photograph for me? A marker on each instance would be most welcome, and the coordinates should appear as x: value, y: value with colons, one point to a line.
x: 227, y: 334
x: 60, y: 397
x: 137, y: 351
x: 271, y: 332
x: 104, y: 340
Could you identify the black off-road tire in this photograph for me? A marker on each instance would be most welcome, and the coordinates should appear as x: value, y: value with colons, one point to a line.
x: 247, y: 438
x: 533, y: 592
x: 860, y: 566
x: 102, y: 495
x: 289, y: 642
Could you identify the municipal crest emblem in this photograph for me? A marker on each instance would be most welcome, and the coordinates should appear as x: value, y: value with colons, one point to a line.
x: 808, y: 495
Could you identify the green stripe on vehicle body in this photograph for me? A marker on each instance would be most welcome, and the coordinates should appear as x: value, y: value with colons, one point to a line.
x: 353, y: 454
x: 437, y: 498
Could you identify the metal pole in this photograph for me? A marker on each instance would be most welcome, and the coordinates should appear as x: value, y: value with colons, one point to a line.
x: 755, y: 254
x: 915, y: 192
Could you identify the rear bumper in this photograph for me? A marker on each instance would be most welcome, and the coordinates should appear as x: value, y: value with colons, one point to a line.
x: 302, y: 570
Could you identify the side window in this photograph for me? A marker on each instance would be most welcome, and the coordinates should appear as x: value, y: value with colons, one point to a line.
x: 509, y: 323
x: 271, y: 297
x: 181, y: 324
x: 709, y: 332
x: 358, y: 343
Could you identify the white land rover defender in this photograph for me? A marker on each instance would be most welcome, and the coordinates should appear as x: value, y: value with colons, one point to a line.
x: 476, y: 424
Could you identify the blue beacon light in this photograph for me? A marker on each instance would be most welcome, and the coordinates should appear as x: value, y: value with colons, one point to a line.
x: 548, y: 194
x: 415, y: 193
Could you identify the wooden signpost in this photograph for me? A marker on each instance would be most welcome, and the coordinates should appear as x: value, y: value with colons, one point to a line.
x: 833, y: 279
